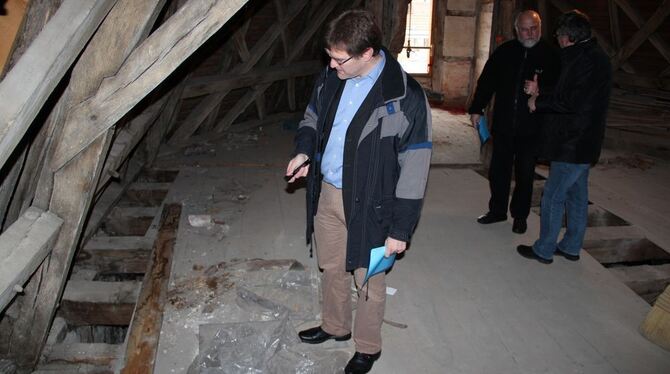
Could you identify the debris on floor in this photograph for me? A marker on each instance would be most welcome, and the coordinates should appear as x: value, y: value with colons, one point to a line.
x: 261, y: 347
x: 263, y: 302
x: 633, y: 161
x: 200, y: 220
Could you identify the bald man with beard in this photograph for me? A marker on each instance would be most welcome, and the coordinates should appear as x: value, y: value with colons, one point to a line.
x: 515, y: 131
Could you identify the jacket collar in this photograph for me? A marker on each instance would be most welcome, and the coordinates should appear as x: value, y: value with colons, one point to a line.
x: 392, y: 79
x: 391, y: 84
x: 577, y: 48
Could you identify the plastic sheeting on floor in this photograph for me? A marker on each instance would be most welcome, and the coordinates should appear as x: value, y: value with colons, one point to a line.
x: 273, y: 302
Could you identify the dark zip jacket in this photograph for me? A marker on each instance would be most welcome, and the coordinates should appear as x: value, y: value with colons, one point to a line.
x: 504, y: 75
x: 577, y: 107
x: 387, y: 154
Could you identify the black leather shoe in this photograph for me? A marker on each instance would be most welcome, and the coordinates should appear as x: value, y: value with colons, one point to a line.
x: 316, y: 335
x: 519, y: 226
x: 527, y: 252
x: 567, y: 255
x: 361, y: 363
x: 491, y: 218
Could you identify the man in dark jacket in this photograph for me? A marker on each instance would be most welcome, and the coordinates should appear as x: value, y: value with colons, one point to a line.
x: 573, y: 136
x: 515, y: 131
x: 364, y: 146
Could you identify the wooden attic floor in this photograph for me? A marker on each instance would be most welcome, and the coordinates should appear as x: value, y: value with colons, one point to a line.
x: 470, y: 303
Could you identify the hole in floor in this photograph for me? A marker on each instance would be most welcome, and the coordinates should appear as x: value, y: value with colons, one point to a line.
x: 157, y: 176
x: 118, y: 277
x: 99, y: 334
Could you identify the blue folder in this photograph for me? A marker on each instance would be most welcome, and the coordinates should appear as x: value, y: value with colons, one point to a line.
x: 483, y: 129
x: 378, y: 262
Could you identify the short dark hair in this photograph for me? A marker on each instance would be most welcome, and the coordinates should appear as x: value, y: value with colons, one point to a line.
x: 354, y: 31
x: 575, y: 25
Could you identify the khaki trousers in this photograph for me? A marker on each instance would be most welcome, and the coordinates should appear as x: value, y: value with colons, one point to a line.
x: 331, y: 246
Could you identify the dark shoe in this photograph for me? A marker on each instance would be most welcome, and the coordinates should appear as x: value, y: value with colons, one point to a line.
x: 490, y: 218
x: 527, y: 252
x: 316, y: 335
x: 567, y: 255
x: 361, y: 363
x: 519, y: 226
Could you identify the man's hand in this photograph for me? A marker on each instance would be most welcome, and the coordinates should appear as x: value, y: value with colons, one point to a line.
x: 394, y: 246
x: 531, y: 87
x: 531, y: 103
x: 474, y: 119
x: 297, y: 165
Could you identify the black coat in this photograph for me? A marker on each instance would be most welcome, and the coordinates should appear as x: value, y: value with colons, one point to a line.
x: 504, y: 75
x: 577, y: 107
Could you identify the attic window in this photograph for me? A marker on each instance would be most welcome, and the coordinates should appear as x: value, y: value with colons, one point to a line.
x: 416, y: 53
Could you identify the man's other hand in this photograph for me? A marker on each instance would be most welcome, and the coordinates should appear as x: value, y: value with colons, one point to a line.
x: 474, y: 119
x: 531, y: 103
x: 297, y: 165
x: 394, y: 246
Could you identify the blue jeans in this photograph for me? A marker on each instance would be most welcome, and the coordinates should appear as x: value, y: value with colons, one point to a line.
x: 566, y: 190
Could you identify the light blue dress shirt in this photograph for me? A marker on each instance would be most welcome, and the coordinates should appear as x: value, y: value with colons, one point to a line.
x: 355, y: 91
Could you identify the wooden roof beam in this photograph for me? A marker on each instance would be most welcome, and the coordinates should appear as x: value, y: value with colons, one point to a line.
x: 565, y: 6
x: 205, y: 107
x: 129, y: 137
x: 242, y: 104
x: 280, y: 7
x: 74, y: 183
x: 656, y: 39
x: 146, y: 67
x: 26, y: 87
x: 641, y: 35
x: 615, y: 28
x: 225, y: 64
x: 23, y: 247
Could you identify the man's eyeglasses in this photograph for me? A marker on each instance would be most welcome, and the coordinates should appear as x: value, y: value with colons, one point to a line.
x: 339, y: 61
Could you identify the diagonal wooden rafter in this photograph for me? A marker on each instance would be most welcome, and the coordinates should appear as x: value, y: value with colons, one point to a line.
x: 28, y: 85
x: 565, y: 6
x: 641, y: 35
x: 280, y: 7
x: 240, y: 106
x: 225, y: 64
x: 129, y: 137
x: 243, y: 49
x: 148, y: 65
x: 212, y: 84
x: 240, y: 42
x: 656, y: 39
x: 73, y: 184
x: 300, y: 43
x: 260, y: 99
x: 205, y: 107
x: 615, y: 28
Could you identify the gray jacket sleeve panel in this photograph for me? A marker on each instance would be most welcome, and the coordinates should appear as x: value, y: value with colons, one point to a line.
x: 415, y: 164
x: 415, y: 151
x: 305, y: 139
x: 415, y: 146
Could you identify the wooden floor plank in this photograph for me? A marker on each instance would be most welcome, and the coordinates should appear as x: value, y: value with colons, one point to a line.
x: 142, y: 340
